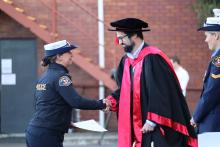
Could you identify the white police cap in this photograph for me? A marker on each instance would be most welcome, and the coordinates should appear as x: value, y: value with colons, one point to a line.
x: 216, y: 12
x: 211, y: 24
x: 58, y: 47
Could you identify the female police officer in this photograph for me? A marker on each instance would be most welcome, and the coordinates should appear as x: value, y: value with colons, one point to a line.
x: 55, y: 98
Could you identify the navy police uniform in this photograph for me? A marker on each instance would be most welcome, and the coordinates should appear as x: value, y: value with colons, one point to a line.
x: 55, y: 98
x: 207, y: 111
x: 206, y: 114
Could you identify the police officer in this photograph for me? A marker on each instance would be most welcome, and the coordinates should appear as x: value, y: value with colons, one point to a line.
x: 55, y: 98
x: 206, y: 115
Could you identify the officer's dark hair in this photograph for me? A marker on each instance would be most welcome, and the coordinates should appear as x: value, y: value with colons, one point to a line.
x: 131, y: 33
x: 47, y: 60
x: 175, y: 59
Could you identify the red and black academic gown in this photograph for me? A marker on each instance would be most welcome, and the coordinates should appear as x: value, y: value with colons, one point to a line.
x: 149, y: 90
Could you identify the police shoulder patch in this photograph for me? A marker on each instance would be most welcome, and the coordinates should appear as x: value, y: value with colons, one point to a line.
x: 64, y: 81
x: 216, y: 61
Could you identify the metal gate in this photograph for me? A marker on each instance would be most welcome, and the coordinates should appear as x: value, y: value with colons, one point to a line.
x: 18, y: 77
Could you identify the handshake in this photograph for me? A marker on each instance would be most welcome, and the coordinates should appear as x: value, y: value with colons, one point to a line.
x: 108, y: 105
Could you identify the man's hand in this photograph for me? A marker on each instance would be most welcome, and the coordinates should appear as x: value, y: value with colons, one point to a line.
x: 193, y: 123
x: 147, y: 128
x: 108, y: 105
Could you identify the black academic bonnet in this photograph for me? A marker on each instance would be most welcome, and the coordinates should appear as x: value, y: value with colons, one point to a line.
x: 129, y: 25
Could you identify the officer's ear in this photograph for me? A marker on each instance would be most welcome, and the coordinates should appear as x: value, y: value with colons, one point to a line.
x: 58, y: 57
x: 217, y: 35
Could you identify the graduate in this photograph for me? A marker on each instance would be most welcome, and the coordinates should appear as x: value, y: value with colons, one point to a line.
x: 149, y: 101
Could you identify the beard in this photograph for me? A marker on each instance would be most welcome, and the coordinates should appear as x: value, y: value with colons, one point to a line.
x: 129, y: 48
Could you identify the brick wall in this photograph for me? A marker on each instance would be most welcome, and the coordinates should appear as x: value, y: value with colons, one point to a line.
x: 173, y: 25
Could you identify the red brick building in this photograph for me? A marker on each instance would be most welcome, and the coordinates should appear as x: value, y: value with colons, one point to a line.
x: 173, y: 27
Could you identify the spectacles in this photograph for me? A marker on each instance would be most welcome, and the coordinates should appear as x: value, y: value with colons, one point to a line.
x: 122, y: 37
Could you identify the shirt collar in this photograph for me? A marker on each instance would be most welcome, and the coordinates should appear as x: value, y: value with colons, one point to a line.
x: 136, y: 53
x: 215, y: 52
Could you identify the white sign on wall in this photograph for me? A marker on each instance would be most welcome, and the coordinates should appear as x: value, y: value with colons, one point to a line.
x: 6, y: 65
x: 7, y: 77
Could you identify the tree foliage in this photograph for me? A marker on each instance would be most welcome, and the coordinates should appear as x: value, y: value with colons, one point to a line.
x: 204, y: 8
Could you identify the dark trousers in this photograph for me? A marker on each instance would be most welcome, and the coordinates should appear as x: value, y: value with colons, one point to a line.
x: 42, y: 137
